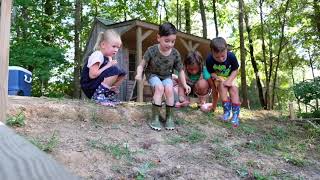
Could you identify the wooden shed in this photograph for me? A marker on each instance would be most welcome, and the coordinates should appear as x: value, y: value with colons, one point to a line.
x: 136, y: 37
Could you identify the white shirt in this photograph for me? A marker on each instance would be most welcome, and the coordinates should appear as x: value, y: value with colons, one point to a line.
x: 95, y: 57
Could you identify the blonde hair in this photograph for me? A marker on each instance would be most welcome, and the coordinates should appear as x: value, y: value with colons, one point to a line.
x: 108, y: 36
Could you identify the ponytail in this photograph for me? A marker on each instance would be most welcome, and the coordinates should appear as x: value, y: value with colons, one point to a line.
x: 100, y: 38
x: 108, y: 35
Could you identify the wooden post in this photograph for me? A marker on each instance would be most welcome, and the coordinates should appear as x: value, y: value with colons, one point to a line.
x: 138, y: 60
x: 5, y: 24
x: 291, y: 111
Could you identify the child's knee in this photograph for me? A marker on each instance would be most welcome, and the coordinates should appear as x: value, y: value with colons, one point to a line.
x: 159, y: 89
x: 168, y: 90
x: 202, y: 87
x: 234, y: 90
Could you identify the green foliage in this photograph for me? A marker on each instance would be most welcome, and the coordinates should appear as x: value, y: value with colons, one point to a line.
x: 46, y: 145
x: 308, y: 91
x: 17, y: 120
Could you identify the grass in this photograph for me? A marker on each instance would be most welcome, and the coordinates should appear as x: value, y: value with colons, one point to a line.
x: 224, y: 154
x: 192, y: 136
x: 118, y: 151
x: 216, y: 140
x: 143, y: 169
x: 246, y: 129
x: 17, y: 120
x: 269, y: 141
x: 95, y: 119
x: 46, y: 145
x: 295, y: 159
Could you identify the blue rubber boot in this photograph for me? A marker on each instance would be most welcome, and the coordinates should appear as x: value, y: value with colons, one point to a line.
x: 226, y: 110
x: 235, y: 117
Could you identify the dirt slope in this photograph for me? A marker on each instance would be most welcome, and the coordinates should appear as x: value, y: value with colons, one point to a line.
x: 97, y: 142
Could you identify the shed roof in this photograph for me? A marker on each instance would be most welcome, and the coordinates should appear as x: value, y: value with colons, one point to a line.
x: 184, y: 43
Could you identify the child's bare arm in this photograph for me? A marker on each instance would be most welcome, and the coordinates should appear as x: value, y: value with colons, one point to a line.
x: 230, y: 79
x: 95, y: 71
x: 183, y: 81
x: 140, y: 68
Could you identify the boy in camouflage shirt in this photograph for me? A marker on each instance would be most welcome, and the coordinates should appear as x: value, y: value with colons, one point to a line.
x: 158, y: 63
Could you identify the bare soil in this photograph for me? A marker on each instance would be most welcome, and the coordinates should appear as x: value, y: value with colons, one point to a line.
x: 96, y: 142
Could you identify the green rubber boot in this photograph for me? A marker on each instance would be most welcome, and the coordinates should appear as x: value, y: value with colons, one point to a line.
x: 169, y: 118
x: 155, y: 120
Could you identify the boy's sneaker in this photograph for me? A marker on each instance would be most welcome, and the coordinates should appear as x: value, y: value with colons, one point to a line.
x: 226, y: 111
x: 235, y: 118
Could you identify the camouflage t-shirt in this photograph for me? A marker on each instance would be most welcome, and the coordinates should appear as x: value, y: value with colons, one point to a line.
x: 160, y: 65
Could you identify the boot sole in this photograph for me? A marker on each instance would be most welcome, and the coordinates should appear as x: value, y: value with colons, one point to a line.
x: 170, y: 129
x: 155, y: 128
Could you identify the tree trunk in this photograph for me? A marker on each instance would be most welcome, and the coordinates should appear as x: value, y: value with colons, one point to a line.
x: 125, y: 10
x: 215, y: 17
x: 254, y: 63
x: 313, y: 76
x: 316, y: 9
x: 48, y: 10
x: 187, y: 16
x: 283, y: 23
x: 242, y: 58
x: 77, y: 50
x: 203, y: 18
x: 269, y: 73
x: 165, y: 10
x: 264, y: 59
x: 292, y: 77
x: 177, y: 14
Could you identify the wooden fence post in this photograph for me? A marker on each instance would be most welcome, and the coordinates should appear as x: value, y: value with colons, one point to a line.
x: 5, y: 24
x: 291, y: 111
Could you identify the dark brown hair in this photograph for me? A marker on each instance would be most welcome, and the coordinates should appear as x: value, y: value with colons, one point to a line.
x: 167, y: 29
x: 193, y: 57
x: 218, y: 44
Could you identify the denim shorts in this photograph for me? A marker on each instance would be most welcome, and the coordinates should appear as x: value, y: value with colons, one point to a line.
x: 155, y: 80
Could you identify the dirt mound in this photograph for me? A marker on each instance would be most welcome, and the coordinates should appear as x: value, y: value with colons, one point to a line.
x: 97, y: 142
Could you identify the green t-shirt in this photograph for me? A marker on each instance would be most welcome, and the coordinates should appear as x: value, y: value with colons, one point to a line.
x: 160, y: 65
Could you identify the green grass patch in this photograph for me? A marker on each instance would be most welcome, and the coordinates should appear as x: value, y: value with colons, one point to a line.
x: 192, y: 136
x: 180, y: 122
x: 224, y: 154
x: 270, y: 141
x: 246, y: 129
x: 143, y: 169
x: 118, y: 151
x: 195, y: 136
x: 46, y: 145
x: 16, y: 120
x: 216, y: 140
x: 295, y: 159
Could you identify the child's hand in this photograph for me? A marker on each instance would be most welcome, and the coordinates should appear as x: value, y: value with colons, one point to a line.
x: 113, y: 62
x: 187, y: 89
x: 138, y: 77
